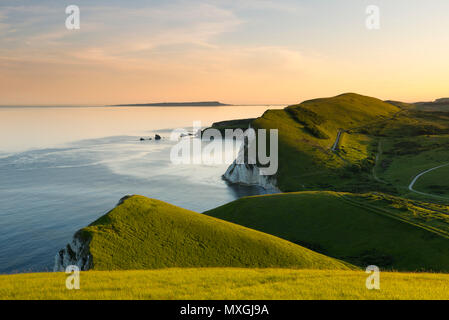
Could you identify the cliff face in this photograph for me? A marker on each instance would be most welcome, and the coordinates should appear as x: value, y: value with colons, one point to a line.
x: 75, y: 253
x: 249, y: 174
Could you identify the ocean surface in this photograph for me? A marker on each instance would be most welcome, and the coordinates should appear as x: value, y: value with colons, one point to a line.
x: 62, y: 168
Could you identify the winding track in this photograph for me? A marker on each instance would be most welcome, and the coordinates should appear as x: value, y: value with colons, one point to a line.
x: 334, y: 148
x: 341, y: 131
x: 410, y: 187
x: 337, y: 140
x: 379, y: 153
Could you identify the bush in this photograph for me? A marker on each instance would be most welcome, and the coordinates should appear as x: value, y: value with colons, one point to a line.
x: 305, y: 116
x: 367, y: 164
x: 355, y: 168
x: 408, y: 147
x: 316, y: 132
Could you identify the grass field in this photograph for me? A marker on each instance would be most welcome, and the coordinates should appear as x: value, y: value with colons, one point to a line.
x: 430, y: 216
x: 435, y: 182
x: 405, y: 157
x: 143, y: 233
x: 308, y: 130
x: 390, y: 232
x: 435, y: 106
x: 412, y: 139
x: 226, y: 283
x: 317, y: 241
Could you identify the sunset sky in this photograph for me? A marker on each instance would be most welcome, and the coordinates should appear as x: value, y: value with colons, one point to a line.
x: 247, y: 51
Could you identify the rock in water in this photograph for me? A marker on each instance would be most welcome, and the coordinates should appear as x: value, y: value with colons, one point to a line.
x: 157, y: 137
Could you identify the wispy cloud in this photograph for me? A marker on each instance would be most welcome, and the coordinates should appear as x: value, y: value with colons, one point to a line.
x: 116, y: 31
x: 262, y: 48
x: 4, y: 27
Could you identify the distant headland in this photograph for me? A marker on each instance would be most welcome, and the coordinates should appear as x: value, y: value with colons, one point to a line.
x: 175, y: 104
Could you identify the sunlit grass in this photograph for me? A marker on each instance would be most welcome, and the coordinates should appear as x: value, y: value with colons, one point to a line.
x: 362, y: 229
x: 143, y: 233
x: 305, y: 161
x: 403, y: 168
x: 225, y: 283
x: 435, y: 182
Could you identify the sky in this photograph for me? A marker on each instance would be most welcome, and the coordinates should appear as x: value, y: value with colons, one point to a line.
x: 240, y: 52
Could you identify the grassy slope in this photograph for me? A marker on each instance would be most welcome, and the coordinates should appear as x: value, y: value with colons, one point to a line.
x: 433, y: 106
x: 430, y: 216
x: 363, y: 229
x: 405, y: 157
x: 435, y: 182
x: 143, y: 233
x: 231, y: 124
x: 305, y: 161
x: 344, y: 226
x: 225, y: 283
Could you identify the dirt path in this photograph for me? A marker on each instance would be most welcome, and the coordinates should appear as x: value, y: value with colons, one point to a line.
x: 341, y: 131
x: 337, y: 140
x: 410, y: 187
x: 379, y: 153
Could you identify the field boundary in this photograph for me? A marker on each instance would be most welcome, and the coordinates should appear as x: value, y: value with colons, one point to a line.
x: 392, y: 215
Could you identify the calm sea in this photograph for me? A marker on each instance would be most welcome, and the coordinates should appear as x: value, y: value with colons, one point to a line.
x: 62, y: 168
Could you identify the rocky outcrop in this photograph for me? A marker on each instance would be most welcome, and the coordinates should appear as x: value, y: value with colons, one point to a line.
x: 75, y: 253
x: 242, y: 171
x: 249, y: 174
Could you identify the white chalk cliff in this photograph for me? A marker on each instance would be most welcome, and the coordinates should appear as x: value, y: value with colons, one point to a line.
x: 76, y: 253
x: 249, y: 174
x: 240, y: 172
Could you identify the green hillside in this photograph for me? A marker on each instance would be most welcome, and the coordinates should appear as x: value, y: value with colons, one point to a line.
x: 142, y: 233
x: 410, y: 144
x: 387, y: 231
x: 307, y: 132
x: 225, y: 284
x: 437, y: 105
x: 435, y: 182
x: 383, y: 145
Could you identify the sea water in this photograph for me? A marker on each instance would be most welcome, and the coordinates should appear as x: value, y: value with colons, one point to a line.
x: 62, y: 168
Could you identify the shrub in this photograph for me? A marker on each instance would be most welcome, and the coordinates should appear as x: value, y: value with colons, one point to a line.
x: 316, y: 132
x: 305, y: 116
